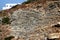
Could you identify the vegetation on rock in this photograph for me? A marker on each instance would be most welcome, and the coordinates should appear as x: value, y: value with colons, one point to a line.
x: 9, y: 38
x: 28, y: 1
x: 5, y: 20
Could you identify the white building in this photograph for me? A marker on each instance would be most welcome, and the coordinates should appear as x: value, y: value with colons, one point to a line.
x: 9, y: 5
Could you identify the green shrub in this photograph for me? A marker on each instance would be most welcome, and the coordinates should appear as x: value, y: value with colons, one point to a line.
x: 5, y: 20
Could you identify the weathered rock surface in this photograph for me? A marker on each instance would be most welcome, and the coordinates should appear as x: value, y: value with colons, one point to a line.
x: 36, y: 21
x: 33, y: 23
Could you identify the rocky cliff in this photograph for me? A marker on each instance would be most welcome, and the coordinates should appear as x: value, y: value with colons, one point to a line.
x: 38, y: 20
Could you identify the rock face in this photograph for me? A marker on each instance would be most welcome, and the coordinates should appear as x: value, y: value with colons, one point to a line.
x: 31, y: 23
x: 36, y: 21
x: 4, y: 31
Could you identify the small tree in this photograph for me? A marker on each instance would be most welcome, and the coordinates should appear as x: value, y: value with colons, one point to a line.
x: 5, y: 20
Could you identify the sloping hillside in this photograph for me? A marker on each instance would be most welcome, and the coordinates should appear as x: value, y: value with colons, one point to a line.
x: 36, y: 20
